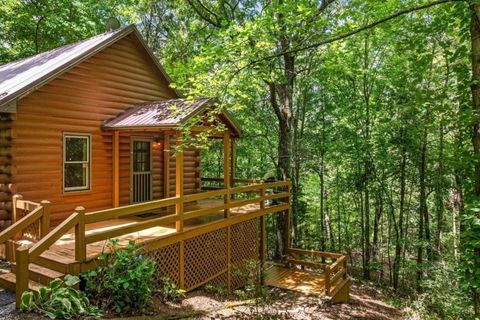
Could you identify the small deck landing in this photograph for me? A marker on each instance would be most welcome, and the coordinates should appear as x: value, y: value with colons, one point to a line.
x: 295, y: 280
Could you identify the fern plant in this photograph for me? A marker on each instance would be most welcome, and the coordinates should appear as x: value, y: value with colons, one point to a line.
x: 60, y: 300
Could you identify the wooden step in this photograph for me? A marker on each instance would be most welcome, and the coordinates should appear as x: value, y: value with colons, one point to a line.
x: 51, y: 264
x: 8, y: 281
x: 40, y: 274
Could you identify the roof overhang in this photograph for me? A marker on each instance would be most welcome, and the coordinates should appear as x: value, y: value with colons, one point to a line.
x: 168, y: 114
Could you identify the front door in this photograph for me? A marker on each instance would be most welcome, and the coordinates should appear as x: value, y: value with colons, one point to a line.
x: 141, y: 180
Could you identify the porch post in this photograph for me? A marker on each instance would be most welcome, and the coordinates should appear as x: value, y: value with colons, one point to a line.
x: 179, y: 185
x: 166, y: 165
x: 116, y: 169
x: 226, y: 171
x: 226, y: 160
x: 232, y: 164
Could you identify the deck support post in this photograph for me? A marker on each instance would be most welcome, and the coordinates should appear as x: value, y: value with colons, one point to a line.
x: 116, y: 169
x: 22, y: 278
x: 80, y: 245
x: 166, y: 165
x: 181, y: 265
x: 45, y: 220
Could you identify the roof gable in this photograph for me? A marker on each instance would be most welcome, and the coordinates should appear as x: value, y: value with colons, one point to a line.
x: 21, y: 77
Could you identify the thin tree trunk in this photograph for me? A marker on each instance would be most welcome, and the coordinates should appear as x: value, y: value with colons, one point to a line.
x: 400, y: 232
x: 475, y: 89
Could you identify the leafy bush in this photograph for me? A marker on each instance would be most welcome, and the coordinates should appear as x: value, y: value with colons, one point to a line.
x: 442, y: 297
x: 124, y: 282
x: 59, y: 300
x: 169, y: 291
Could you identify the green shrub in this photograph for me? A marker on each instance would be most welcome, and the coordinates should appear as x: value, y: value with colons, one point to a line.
x: 442, y: 296
x: 168, y: 290
x: 59, y: 300
x: 124, y: 282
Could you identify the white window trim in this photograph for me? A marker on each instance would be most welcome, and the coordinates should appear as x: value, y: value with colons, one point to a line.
x: 87, y: 136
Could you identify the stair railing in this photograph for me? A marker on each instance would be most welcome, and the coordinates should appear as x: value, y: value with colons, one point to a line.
x: 28, y: 253
x: 37, y: 212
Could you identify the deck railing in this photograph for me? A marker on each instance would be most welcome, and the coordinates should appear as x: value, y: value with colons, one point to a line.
x: 334, y: 266
x: 262, y: 192
x: 27, y: 217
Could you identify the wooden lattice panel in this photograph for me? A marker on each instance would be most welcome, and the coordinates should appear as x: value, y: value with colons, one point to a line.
x: 32, y: 231
x: 205, y: 256
x: 167, y: 260
x: 244, y: 247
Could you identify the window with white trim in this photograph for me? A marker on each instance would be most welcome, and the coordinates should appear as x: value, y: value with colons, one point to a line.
x: 76, y: 162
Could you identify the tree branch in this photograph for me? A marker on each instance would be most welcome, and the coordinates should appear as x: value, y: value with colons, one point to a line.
x: 203, y: 16
x: 354, y: 31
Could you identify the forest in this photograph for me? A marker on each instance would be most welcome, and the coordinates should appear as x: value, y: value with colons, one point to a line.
x: 370, y: 107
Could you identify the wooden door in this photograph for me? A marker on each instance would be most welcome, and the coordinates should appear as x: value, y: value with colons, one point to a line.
x: 141, y: 169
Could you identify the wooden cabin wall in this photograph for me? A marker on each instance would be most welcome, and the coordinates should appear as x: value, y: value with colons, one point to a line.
x: 79, y: 101
x: 5, y: 170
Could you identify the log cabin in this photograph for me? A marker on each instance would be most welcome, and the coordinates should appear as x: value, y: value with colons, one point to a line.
x: 87, y: 148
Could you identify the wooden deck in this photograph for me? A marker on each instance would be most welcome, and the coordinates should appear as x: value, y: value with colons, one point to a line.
x: 306, y: 282
x: 295, y: 280
x: 64, y: 249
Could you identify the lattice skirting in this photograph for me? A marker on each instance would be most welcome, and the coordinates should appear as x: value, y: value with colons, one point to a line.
x: 205, y: 257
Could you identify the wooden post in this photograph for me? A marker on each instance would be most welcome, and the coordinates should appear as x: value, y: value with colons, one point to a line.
x: 166, y: 165
x: 80, y: 245
x: 22, y: 273
x: 179, y: 185
x: 16, y: 213
x: 181, y: 265
x: 263, y: 234
x: 226, y: 171
x: 327, y: 280
x: 45, y: 220
x: 116, y: 170
x: 232, y: 163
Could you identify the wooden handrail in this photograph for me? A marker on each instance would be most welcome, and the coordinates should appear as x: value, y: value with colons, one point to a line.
x: 310, y: 264
x: 337, y: 263
x: 315, y: 253
x: 132, y: 209
x: 21, y: 224
x: 129, y: 228
x: 43, y: 245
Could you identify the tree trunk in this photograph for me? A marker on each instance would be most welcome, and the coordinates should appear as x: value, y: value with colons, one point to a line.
x: 475, y: 89
x: 376, y: 223
x: 439, y: 195
x: 399, y: 233
x: 423, y: 210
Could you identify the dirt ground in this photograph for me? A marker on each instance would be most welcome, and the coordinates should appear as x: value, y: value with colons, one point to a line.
x: 365, y: 303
